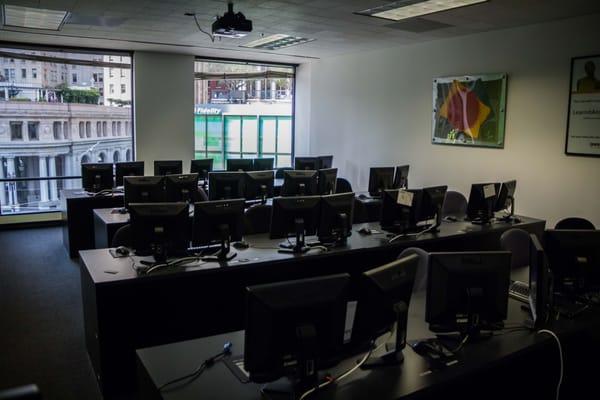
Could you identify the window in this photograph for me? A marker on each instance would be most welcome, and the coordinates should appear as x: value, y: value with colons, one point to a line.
x: 81, y: 130
x: 104, y: 129
x: 113, y: 128
x: 57, y: 130
x: 98, y: 129
x: 16, y: 130
x: 34, y: 73
x: 122, y: 72
x: 119, y: 128
x: 126, y: 128
x: 33, y: 130
x: 111, y: 88
x: 74, y: 78
x: 88, y: 129
x: 111, y: 74
x: 12, y: 74
x: 123, y: 88
x: 23, y: 73
x: 66, y: 130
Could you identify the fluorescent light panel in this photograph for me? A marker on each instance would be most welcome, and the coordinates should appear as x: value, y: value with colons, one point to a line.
x: 33, y: 18
x: 277, y: 41
x: 404, y: 9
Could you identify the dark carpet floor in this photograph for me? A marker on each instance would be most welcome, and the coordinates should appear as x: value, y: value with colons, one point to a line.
x: 41, y: 321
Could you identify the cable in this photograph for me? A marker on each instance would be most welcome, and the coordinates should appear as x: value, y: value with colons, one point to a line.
x: 212, y: 38
x: 416, y: 235
x: 461, y: 345
x: 560, y: 353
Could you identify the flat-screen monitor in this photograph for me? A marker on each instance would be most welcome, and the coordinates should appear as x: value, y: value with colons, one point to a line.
x: 226, y: 185
x: 160, y: 229
x: 482, y: 199
x: 299, y: 183
x: 383, y: 300
x: 337, y: 213
x: 181, y: 188
x: 326, y: 162
x: 506, y: 199
x: 295, y: 328
x: 539, y: 290
x: 574, y: 257
x: 295, y: 215
x: 263, y: 164
x: 401, y: 177
x: 467, y: 291
x: 259, y: 185
x: 431, y: 204
x: 201, y: 167
x: 240, y: 164
x: 96, y: 177
x: 143, y: 189
x: 307, y: 163
x: 380, y: 179
x: 400, y: 215
x: 220, y: 221
x: 327, y: 179
x: 130, y: 168
x: 168, y: 167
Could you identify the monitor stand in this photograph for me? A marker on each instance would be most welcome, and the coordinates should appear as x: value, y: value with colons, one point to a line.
x: 393, y: 354
x: 300, y: 246
x: 438, y: 221
x: 510, y: 217
x: 224, y: 253
x: 159, y: 248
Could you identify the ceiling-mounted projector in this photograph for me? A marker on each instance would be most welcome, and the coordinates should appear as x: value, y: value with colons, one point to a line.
x: 231, y: 25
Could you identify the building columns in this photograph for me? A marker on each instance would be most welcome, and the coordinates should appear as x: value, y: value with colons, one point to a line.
x: 43, y: 184
x: 3, y: 185
x: 52, y: 172
x: 273, y: 90
x: 12, y: 186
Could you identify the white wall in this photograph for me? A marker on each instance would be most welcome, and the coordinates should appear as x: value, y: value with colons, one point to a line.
x: 303, y: 106
x: 375, y: 108
x: 164, y: 108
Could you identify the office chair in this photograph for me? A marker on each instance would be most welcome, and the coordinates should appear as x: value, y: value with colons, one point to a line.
x: 279, y: 173
x: 122, y: 237
x: 201, y: 195
x: 27, y: 392
x: 516, y: 241
x: 455, y: 205
x: 574, y: 223
x: 257, y: 219
x: 343, y: 186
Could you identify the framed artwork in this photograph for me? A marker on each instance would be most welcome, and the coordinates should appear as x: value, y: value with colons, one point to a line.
x: 469, y: 110
x: 583, y: 121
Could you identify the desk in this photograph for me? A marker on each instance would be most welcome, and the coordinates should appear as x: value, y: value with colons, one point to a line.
x: 515, y: 365
x: 124, y: 311
x: 78, y: 218
x: 106, y: 223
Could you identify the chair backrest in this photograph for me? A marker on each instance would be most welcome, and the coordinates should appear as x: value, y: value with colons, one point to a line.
x: 279, y: 173
x: 202, y: 196
x: 257, y: 219
x: 517, y: 242
x: 455, y: 205
x: 343, y: 186
x: 27, y: 392
x: 574, y: 223
x: 421, y: 275
x: 122, y: 237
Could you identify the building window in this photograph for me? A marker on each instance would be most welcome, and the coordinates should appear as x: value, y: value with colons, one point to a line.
x: 16, y: 130
x: 66, y: 130
x: 123, y: 88
x: 88, y: 129
x: 74, y: 78
x: 98, y: 129
x: 126, y: 128
x: 57, y: 130
x: 34, y: 73
x: 122, y: 71
x: 111, y: 74
x: 113, y: 128
x: 104, y: 129
x: 33, y: 130
x: 111, y: 88
x: 81, y: 130
x: 119, y: 128
x: 23, y: 73
x: 12, y: 74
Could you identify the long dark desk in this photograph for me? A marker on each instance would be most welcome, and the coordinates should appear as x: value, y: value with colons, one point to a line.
x: 124, y: 311
x: 512, y: 365
x: 78, y: 218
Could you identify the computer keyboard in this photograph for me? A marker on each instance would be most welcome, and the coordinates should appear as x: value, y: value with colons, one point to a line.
x: 519, y: 291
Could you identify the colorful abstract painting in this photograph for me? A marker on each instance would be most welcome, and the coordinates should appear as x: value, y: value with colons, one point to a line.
x: 469, y: 110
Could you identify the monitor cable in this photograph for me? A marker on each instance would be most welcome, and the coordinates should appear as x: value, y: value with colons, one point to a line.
x: 560, y: 353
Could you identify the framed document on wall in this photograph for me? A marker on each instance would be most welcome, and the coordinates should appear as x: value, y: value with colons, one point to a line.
x: 583, y: 121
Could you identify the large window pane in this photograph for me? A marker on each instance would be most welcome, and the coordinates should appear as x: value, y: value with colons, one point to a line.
x: 233, y: 135
x: 250, y: 135
x: 269, y: 138
x: 284, y: 135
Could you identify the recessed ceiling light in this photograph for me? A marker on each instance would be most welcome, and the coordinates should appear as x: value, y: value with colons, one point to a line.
x: 33, y: 18
x: 404, y: 9
x: 276, y: 42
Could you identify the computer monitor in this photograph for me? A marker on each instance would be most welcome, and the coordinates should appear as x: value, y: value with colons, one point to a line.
x: 337, y: 212
x: 299, y: 183
x: 294, y: 215
x: 202, y: 167
x: 143, y: 189
x: 383, y: 300
x: 226, y: 185
x: 400, y: 214
x: 160, y: 229
x: 130, y: 168
x: 327, y: 179
x: 307, y: 163
x: 380, y: 179
x: 168, y: 167
x: 294, y: 329
x: 467, y: 291
x: 259, y: 185
x: 240, y: 164
x: 539, y: 282
x: 218, y: 221
x: 96, y: 177
x: 263, y: 164
x: 431, y: 205
x: 506, y: 199
x: 574, y: 257
x: 401, y: 177
x: 181, y: 188
x: 325, y: 162
x: 482, y: 198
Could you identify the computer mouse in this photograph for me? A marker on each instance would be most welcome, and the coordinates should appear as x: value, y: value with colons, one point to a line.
x: 122, y: 251
x: 364, y: 231
x: 241, y: 245
x: 362, y: 196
